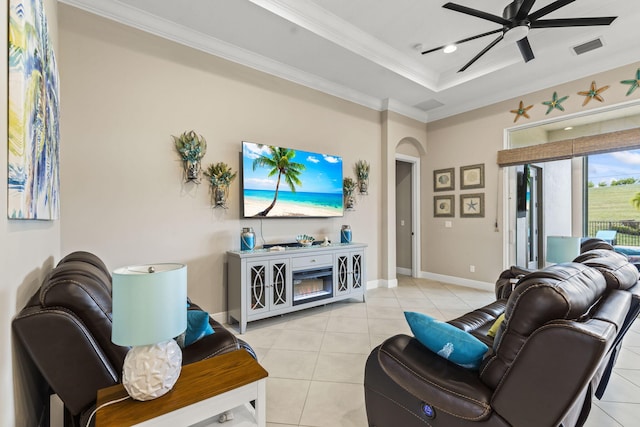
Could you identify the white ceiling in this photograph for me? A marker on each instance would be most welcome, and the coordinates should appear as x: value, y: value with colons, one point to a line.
x: 365, y: 50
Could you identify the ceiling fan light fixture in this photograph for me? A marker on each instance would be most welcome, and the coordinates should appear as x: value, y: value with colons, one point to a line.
x: 516, y: 33
x: 450, y: 48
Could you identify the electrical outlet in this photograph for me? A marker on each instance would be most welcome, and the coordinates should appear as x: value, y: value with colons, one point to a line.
x: 448, y: 224
x: 402, y: 223
x: 472, y: 268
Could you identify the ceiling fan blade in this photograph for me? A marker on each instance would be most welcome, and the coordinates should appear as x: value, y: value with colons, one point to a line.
x: 549, y: 8
x: 485, y: 50
x: 572, y: 22
x: 524, y: 10
x: 464, y: 40
x: 477, y: 13
x: 525, y: 49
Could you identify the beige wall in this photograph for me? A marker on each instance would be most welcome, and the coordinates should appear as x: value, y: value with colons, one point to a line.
x: 27, y: 252
x: 475, y: 137
x: 126, y: 92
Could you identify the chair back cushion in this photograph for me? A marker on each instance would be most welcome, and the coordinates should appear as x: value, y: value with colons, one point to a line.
x: 618, y: 272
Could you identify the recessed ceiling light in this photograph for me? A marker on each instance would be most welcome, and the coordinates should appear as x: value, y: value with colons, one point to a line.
x: 568, y: 128
x: 450, y: 48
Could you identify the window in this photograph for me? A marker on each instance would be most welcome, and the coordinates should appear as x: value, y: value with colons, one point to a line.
x: 613, y: 196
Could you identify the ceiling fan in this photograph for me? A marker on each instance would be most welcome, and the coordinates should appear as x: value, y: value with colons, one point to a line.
x: 516, y: 22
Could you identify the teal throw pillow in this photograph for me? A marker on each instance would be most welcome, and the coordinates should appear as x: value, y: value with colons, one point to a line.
x: 197, y: 326
x: 446, y: 340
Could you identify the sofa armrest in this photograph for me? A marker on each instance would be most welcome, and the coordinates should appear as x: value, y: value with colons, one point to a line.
x: 66, y: 354
x: 434, y: 380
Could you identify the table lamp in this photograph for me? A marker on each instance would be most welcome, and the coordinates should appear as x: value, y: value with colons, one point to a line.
x: 562, y: 248
x: 149, y: 310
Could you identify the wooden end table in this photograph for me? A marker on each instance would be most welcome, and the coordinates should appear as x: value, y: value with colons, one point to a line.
x: 204, y: 390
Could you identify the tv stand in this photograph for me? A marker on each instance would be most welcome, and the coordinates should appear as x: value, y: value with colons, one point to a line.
x: 263, y: 283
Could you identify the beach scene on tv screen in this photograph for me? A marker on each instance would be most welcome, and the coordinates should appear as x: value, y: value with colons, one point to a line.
x: 284, y: 182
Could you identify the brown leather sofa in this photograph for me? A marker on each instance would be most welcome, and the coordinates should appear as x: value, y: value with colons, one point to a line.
x: 556, y: 347
x: 65, y: 328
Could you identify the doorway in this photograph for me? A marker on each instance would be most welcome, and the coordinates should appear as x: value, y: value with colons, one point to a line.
x: 407, y: 215
x: 529, y: 246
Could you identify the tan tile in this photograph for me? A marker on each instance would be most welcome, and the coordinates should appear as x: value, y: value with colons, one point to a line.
x: 340, y: 367
x: 415, y: 303
x: 310, y: 323
x: 299, y: 340
x: 348, y: 324
x: 261, y: 338
x: 599, y: 418
x: 385, y: 313
x: 408, y: 292
x: 626, y: 414
x: 382, y: 302
x: 339, y: 342
x: 389, y: 326
x: 621, y: 390
x: 334, y: 404
x: 293, y: 364
x: 285, y: 400
x: 349, y: 309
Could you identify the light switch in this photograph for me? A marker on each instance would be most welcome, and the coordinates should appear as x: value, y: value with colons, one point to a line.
x: 402, y: 222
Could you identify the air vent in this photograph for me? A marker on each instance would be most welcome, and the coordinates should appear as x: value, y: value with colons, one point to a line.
x: 429, y: 105
x: 588, y: 46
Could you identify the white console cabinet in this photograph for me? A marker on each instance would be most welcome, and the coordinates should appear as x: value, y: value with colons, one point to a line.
x: 264, y: 283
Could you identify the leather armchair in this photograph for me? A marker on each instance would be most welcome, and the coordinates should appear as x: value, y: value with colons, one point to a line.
x: 561, y: 324
x: 65, y: 329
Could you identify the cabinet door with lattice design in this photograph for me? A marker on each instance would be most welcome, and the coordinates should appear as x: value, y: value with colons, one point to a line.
x: 280, y: 285
x: 343, y: 273
x: 258, y: 274
x: 356, y: 269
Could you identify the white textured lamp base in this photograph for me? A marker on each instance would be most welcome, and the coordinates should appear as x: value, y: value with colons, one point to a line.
x: 150, y: 371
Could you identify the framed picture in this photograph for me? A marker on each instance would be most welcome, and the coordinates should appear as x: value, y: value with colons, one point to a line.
x: 443, y: 206
x: 444, y: 179
x: 471, y: 177
x: 472, y: 205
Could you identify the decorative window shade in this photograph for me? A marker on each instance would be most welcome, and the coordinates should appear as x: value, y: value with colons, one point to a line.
x: 536, y: 153
x: 568, y: 148
x: 613, y: 141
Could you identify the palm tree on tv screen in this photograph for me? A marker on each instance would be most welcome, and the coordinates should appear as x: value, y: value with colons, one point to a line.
x: 280, y: 163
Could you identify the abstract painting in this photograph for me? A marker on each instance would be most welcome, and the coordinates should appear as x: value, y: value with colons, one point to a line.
x: 34, y: 133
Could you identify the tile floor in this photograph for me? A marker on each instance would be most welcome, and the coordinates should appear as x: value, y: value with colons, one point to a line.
x: 315, y: 358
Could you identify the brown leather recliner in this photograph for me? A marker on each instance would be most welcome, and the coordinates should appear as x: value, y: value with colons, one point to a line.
x: 548, y: 356
x: 65, y: 328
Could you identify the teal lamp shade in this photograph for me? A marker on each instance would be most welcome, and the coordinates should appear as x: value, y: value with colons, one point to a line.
x: 562, y: 248
x: 149, y: 303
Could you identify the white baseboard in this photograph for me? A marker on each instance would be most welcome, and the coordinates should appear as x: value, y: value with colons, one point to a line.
x: 485, y: 286
x: 403, y: 271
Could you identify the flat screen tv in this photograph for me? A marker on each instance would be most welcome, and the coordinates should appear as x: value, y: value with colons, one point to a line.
x: 287, y: 183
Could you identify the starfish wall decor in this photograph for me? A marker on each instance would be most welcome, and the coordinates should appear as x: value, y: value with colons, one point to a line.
x: 521, y: 111
x: 594, y: 92
x: 555, y: 103
x: 633, y: 82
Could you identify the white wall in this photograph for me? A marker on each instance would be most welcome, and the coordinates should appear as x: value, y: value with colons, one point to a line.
x: 28, y: 251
